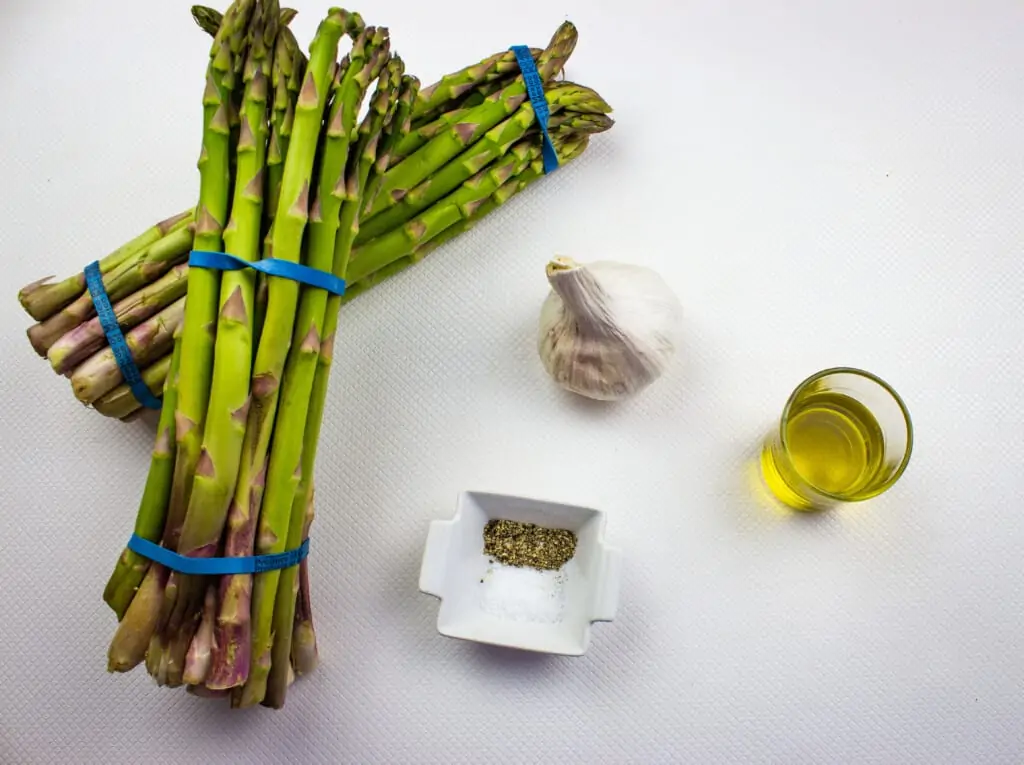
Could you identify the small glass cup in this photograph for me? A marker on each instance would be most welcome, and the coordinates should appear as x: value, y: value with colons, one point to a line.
x: 845, y: 436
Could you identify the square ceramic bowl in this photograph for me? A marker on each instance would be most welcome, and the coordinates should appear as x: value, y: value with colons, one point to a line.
x: 488, y: 602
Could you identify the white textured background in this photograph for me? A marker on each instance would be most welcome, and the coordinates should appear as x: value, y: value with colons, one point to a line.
x: 823, y: 183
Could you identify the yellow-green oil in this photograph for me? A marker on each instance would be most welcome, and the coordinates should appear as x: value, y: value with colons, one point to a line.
x: 833, y: 448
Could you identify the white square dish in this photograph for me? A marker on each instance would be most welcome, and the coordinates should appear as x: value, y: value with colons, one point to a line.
x: 488, y: 602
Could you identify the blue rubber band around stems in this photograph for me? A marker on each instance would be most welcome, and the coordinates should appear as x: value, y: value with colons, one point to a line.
x: 115, y: 338
x: 535, y: 89
x: 253, y: 564
x: 285, y: 269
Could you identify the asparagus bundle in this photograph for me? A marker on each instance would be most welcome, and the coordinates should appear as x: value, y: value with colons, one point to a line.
x: 286, y: 171
x: 150, y: 273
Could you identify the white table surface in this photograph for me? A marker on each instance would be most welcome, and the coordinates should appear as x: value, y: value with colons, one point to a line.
x: 822, y: 183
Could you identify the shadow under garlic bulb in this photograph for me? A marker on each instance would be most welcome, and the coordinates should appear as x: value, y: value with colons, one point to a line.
x: 607, y: 330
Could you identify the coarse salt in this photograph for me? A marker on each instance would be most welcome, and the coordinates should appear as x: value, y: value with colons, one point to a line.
x: 523, y: 594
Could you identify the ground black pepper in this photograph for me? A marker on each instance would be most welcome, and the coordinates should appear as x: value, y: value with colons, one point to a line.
x: 527, y: 544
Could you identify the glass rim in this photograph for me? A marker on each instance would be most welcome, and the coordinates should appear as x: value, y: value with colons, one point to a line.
x: 885, y: 386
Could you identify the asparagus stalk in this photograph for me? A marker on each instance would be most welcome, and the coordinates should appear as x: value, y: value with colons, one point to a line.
x: 286, y: 81
x: 289, y: 227
x: 197, y: 661
x: 435, y: 98
x: 204, y: 283
x: 428, y: 159
x: 208, y: 19
x: 131, y: 567
x: 217, y: 469
x: 287, y: 84
x: 305, y: 655
x: 147, y: 342
x: 286, y: 461
x: 121, y: 404
x: 400, y: 125
x: 494, y: 143
x: 156, y: 659
x: 85, y: 339
x: 134, y: 272
x: 576, y: 122
x: 132, y: 637
x: 176, y: 647
x: 42, y: 300
x: 194, y: 377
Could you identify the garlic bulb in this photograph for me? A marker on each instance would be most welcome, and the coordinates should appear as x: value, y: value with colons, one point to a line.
x: 607, y: 329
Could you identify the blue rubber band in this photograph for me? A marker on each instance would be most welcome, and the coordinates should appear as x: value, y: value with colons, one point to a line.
x: 535, y: 89
x: 285, y: 269
x: 254, y: 564
x: 115, y: 338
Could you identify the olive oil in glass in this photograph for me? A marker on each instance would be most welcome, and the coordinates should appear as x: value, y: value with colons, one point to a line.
x: 844, y: 436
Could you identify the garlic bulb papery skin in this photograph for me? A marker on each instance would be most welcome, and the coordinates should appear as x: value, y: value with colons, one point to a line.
x: 607, y: 330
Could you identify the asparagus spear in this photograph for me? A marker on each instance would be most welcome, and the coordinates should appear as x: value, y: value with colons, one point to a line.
x: 120, y: 403
x: 428, y: 159
x: 287, y: 84
x: 147, y: 342
x: 176, y: 647
x: 134, y: 272
x: 204, y: 283
x: 286, y: 81
x: 289, y: 227
x: 399, y: 126
x: 492, y: 145
x: 149, y: 522
x: 85, y: 339
x: 200, y: 320
x: 287, y: 461
x: 197, y: 661
x: 217, y: 469
x: 208, y: 19
x: 42, y: 300
x: 305, y: 655
x: 132, y: 637
x: 434, y: 99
